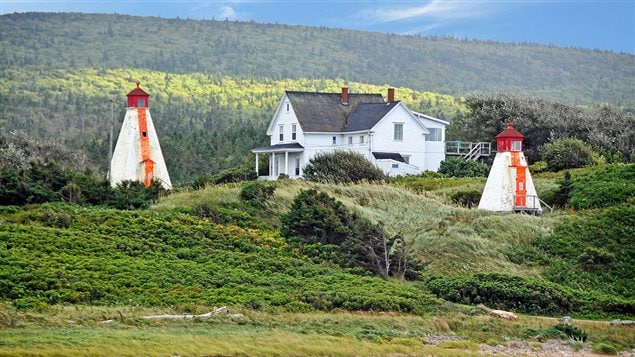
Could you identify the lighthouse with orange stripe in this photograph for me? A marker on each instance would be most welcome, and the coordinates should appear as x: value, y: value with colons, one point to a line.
x: 509, y: 186
x: 137, y: 155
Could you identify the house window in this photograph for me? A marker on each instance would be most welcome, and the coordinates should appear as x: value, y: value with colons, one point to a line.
x: 141, y: 102
x: 297, y: 167
x: 287, y: 106
x: 516, y: 145
x: 398, y: 132
x: 436, y: 134
x: 406, y: 159
x: 281, y: 131
x: 293, y: 131
x: 395, y: 166
x: 350, y: 140
x: 334, y: 140
x: 361, y: 139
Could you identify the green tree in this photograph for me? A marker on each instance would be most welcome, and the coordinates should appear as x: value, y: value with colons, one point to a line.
x: 568, y: 153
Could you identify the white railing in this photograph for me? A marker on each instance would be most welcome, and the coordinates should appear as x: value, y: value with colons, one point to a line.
x: 468, y: 150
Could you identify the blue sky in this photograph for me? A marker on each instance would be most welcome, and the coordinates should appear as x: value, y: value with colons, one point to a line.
x: 606, y: 25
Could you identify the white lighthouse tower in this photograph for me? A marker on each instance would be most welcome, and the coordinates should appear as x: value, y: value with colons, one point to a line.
x: 137, y: 155
x: 509, y: 186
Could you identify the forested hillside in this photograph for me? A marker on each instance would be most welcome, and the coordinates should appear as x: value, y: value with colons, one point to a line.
x: 205, y: 122
x: 446, y: 65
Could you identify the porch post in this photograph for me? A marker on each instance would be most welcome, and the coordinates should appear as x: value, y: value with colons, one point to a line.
x: 286, y: 163
x: 272, y: 173
x: 256, y: 164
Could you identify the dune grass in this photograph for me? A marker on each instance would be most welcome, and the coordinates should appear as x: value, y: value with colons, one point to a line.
x: 448, y: 239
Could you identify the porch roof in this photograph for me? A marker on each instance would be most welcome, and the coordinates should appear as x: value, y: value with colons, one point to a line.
x: 291, y: 147
x: 388, y: 156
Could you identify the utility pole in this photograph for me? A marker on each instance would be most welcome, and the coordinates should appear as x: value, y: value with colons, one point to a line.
x: 112, y: 128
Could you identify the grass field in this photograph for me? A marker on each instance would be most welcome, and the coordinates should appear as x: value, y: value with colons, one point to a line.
x: 79, y: 331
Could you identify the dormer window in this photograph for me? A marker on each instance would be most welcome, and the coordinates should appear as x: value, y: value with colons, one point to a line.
x: 516, y: 145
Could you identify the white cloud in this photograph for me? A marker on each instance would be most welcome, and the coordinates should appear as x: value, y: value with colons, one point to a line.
x: 226, y: 12
x: 435, y: 9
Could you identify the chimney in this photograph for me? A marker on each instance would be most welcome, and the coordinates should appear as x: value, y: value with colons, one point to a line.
x: 391, y: 95
x: 345, y: 95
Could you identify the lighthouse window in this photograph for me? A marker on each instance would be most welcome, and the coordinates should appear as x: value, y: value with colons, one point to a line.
x: 141, y: 103
x: 144, y: 133
x: 515, y: 145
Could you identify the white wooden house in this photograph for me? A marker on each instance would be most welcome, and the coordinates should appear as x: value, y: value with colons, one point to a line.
x: 396, y: 139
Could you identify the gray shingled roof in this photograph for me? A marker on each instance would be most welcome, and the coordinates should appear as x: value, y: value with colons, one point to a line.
x: 366, y: 115
x: 324, y: 112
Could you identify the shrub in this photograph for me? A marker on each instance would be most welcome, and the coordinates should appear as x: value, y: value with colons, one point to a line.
x: 568, y: 153
x: 560, y: 331
x: 457, y: 167
x: 504, y: 291
x: 604, y: 348
x: 257, y: 193
x: 342, y: 167
x: 235, y: 174
x: 466, y: 198
x: 538, y: 166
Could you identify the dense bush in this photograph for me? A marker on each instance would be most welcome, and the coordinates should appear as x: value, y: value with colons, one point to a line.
x: 50, y: 182
x: 342, y: 167
x: 457, y: 167
x: 257, y: 193
x: 505, y: 292
x: 605, y: 186
x: 466, y: 198
x: 324, y: 228
x: 240, y: 173
x: 568, y: 153
x: 594, y: 249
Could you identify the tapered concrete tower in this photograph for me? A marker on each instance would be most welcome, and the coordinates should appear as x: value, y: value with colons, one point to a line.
x: 509, y: 186
x: 137, y: 155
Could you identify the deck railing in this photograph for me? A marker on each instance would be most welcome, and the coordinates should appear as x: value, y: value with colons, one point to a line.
x: 468, y: 150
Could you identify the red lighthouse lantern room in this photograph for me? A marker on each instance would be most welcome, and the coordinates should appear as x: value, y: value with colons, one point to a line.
x: 138, y: 98
x: 509, y: 139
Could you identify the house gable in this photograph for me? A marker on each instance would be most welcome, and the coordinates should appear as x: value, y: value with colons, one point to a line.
x: 400, y: 112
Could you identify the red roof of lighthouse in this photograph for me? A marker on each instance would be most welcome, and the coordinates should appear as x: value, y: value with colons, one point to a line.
x: 138, y: 91
x: 510, y: 132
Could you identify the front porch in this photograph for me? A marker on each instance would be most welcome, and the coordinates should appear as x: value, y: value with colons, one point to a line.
x: 284, y: 159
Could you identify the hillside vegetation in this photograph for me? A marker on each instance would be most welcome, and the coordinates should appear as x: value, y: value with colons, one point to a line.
x: 205, y: 122
x: 247, y: 49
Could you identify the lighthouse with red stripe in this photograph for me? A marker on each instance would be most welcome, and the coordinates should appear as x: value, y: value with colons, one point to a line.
x: 509, y: 186
x: 137, y: 155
